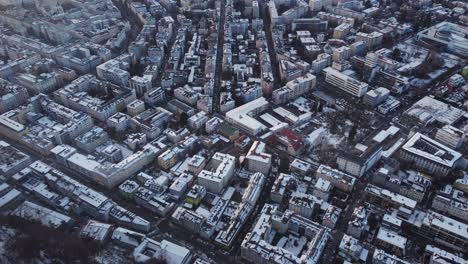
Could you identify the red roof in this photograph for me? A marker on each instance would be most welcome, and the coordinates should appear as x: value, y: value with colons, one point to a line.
x: 295, y: 139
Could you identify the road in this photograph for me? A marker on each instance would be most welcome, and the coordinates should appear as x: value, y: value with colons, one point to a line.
x: 135, y: 23
x: 271, y: 46
x: 355, y: 199
x: 219, y: 58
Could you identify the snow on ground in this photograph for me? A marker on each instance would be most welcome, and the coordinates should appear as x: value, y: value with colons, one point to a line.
x: 334, y: 140
x: 112, y: 254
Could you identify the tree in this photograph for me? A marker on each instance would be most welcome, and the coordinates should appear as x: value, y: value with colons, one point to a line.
x: 320, y: 107
x: 402, y: 16
x: 352, y: 133
x: 156, y: 261
x: 183, y: 117
x: 373, y: 221
x: 368, y: 4
x: 396, y: 54
x: 284, y: 162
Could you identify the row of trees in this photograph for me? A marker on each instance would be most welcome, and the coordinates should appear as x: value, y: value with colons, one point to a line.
x: 35, y: 241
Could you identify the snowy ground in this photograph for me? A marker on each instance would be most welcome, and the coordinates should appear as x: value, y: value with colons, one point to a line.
x: 112, y: 254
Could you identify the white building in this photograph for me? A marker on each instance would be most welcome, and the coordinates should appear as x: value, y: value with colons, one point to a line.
x: 197, y: 121
x: 119, y: 121
x: 338, y: 179
x: 294, y: 89
x: 345, y: 83
x: 141, y: 84
x: 443, y: 230
x: 168, y: 251
x: 242, y: 116
x: 196, y: 164
x: 372, y: 39
x: 430, y: 155
x: 303, y: 204
x: 135, y: 107
x: 440, y: 256
x: 257, y: 159
x: 255, y: 248
x: 321, y: 62
x: 376, y: 96
x: 451, y: 136
x: 218, y: 178
x: 391, y: 241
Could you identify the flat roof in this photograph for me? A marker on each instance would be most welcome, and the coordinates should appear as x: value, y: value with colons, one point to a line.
x: 428, y: 148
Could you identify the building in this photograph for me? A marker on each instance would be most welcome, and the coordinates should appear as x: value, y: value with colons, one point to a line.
x: 9, y: 198
x: 141, y: 84
x: 90, y: 140
x: 341, y: 31
x: 42, y: 83
x: 373, y: 39
x: 440, y: 256
x: 334, y: 19
x: 331, y: 216
x: 119, y: 121
x: 317, y: 5
x: 303, y: 204
x: 449, y: 35
x: 107, y: 174
x: 197, y: 121
x: 450, y: 136
x: 212, y: 124
x: 170, y: 157
x: 382, y: 257
x: 34, y: 212
x: 341, y: 54
x: 195, y: 195
x: 186, y: 94
x: 388, y: 105
x: 376, y: 96
x: 223, y: 169
x: 170, y: 252
x: 386, y: 198
x: 358, y: 225
x: 256, y: 249
x: 391, y: 241
x: 242, y: 116
x: 97, y: 231
x: 429, y: 155
x: 338, y: 179
x: 345, y: 83
x: 322, y: 189
x: 351, y: 249
x: 115, y: 70
x: 322, y: 61
x: 294, y: 89
x: 12, y: 96
x: 442, y: 230
x: 428, y: 110
x: 391, y: 80
x: 451, y: 207
x: 135, y: 107
x: 300, y: 167
x: 155, y: 96
x: 257, y: 159
x: 196, y: 164
x: 360, y: 159
x: 86, y: 94
x: 314, y: 25
x: 11, y: 159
